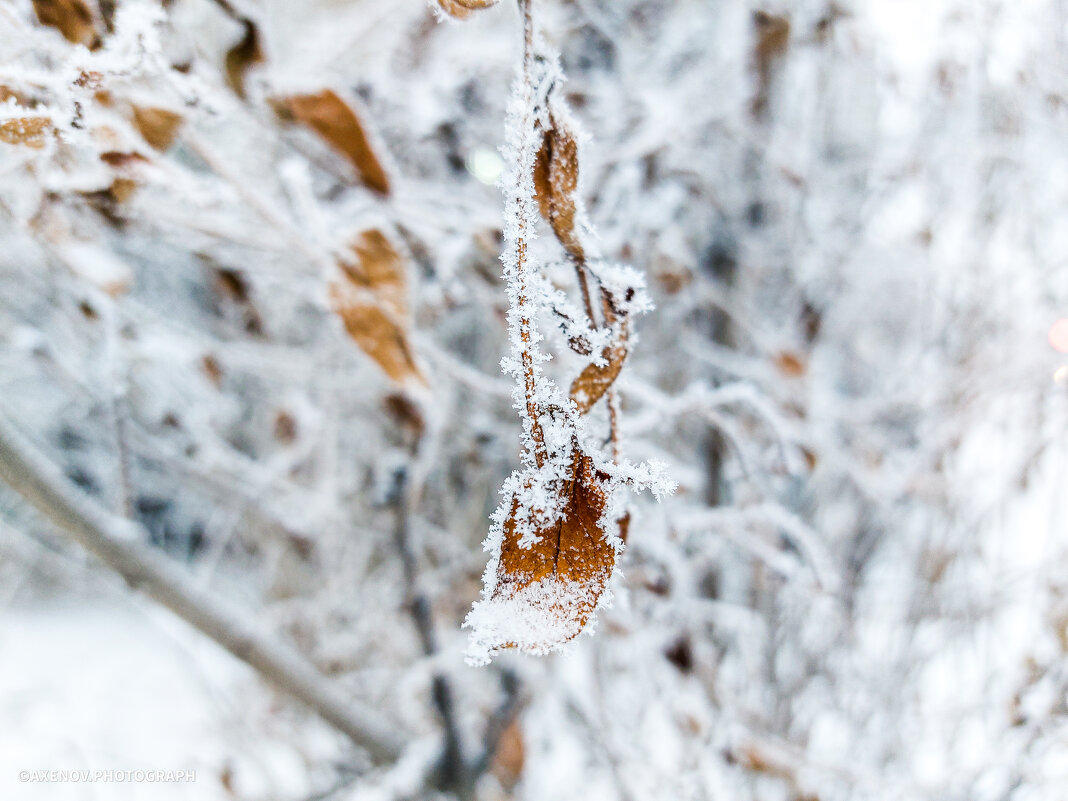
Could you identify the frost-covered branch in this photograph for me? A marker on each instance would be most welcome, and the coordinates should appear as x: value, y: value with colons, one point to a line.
x: 117, y: 543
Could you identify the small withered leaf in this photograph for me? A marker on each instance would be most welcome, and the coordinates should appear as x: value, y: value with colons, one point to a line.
x: 461, y: 9
x: 508, y: 762
x: 773, y: 35
x: 406, y: 413
x: 772, y: 40
x: 212, y: 369
x: 556, y: 170
x: 158, y: 126
x: 7, y: 93
x: 72, y: 18
x: 337, y: 123
x: 790, y: 364
x: 30, y: 131
x: 243, y: 56
x: 122, y: 189
x: 285, y: 427
x: 371, y: 302
x: 561, y: 575
x: 118, y: 158
x: 595, y: 380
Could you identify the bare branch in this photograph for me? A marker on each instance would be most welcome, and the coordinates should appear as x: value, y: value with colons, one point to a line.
x: 118, y: 543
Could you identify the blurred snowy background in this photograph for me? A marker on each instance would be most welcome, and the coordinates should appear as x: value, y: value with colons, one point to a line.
x: 851, y: 216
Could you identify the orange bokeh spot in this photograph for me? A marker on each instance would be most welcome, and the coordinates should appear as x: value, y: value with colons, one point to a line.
x: 1058, y: 335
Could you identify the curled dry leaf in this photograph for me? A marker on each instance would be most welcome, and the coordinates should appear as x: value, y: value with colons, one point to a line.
x: 461, y: 9
x: 545, y: 591
x: 595, y: 380
x: 556, y: 170
x: 158, y: 126
x: 336, y: 122
x: 371, y: 302
x: 31, y: 131
x: 72, y: 18
x: 243, y: 56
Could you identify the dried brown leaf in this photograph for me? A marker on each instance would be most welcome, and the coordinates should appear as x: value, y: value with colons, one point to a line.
x: 371, y: 302
x: 243, y: 56
x: 158, y: 126
x: 212, y: 369
x: 461, y: 9
x: 7, y: 93
x: 568, y: 566
x: 285, y: 427
x: 336, y: 122
x: 118, y: 158
x: 595, y: 380
x: 122, y: 189
x: 790, y: 364
x: 72, y: 18
x: 31, y: 131
x: 510, y: 757
x: 556, y: 171
x: 772, y: 40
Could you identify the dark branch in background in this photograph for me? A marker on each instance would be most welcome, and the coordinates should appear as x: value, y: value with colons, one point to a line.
x: 500, y: 721
x: 452, y: 773
x: 119, y: 544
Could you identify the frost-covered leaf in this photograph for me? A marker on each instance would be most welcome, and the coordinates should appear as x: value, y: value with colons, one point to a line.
x: 31, y: 131
x: 72, y: 18
x: 337, y: 123
x: 371, y: 300
x: 556, y: 171
x: 551, y: 567
x: 596, y: 379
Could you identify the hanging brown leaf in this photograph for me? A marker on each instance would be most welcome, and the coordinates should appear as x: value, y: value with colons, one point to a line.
x: 556, y: 170
x: 243, y: 56
x: 595, y: 380
x: 336, y: 122
x: 72, y: 18
x: 461, y: 9
x: 29, y: 131
x: 552, y: 587
x: 371, y: 302
x: 158, y: 126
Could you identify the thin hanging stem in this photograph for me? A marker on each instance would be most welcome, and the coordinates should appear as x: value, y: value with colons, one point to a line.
x: 523, y: 225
